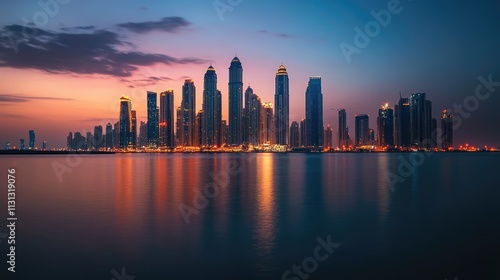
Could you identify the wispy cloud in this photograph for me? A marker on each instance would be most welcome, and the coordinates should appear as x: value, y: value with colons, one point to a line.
x: 281, y: 35
x: 166, y: 24
x: 15, y: 98
x: 90, y: 52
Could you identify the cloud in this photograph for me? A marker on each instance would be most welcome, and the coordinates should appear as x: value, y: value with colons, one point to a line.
x: 281, y: 35
x: 15, y: 98
x: 79, y: 28
x: 91, y: 52
x: 166, y: 24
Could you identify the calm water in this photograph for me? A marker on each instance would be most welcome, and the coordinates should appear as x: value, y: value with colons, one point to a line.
x: 123, y: 211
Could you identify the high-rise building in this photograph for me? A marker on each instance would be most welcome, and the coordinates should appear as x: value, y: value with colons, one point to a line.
x: 294, y: 135
x: 166, y: 136
x: 303, y: 134
x: 433, y: 143
x: 199, y: 128
x: 402, y: 121
x: 385, y: 126
x: 421, y: 118
x: 268, y: 126
x: 212, y: 110
x: 224, y: 131
x: 188, y: 108
x: 343, y: 133
x: 447, y: 131
x: 125, y: 122
x: 282, y: 107
x: 116, y: 135
x: 21, y: 144
x: 362, y: 127
x: 109, y: 136
x: 254, y: 121
x: 98, y: 137
x: 179, y: 132
x: 153, y: 121
x: 69, y: 141
x: 314, y: 113
x: 133, y: 129
x: 89, y: 141
x: 143, y: 134
x: 32, y: 139
x: 44, y: 145
x: 328, y: 143
x: 235, y: 102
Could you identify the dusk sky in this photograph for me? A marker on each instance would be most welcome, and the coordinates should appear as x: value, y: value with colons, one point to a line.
x: 64, y: 68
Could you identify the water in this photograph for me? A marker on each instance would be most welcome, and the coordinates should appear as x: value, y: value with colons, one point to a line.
x: 122, y: 211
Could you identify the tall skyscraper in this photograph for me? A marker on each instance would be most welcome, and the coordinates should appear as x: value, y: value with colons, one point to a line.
x: 212, y: 110
x: 152, y: 120
x: 282, y: 107
x: 447, y: 131
x: 166, y: 136
x: 98, y: 138
x: 268, y: 126
x: 199, y: 128
x: 246, y: 116
x: 89, y: 141
x: 343, y: 134
x: 69, y: 141
x: 133, y: 129
x: 328, y: 143
x: 314, y: 113
x: 109, y: 136
x: 235, y: 102
x: 143, y: 134
x: 421, y: 117
x: 116, y: 135
x: 32, y: 139
x: 179, y: 134
x: 125, y: 122
x: 254, y: 122
x: 433, y: 143
x: 188, y: 108
x: 385, y: 126
x: 362, y: 127
x: 402, y: 129
x: 303, y: 134
x: 294, y: 135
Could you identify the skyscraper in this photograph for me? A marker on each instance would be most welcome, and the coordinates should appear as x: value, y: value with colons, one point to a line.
x: 254, y: 114
x: 447, y: 131
x: 179, y: 134
x: 385, y: 126
x: 362, y: 127
x: 281, y: 104
x: 343, y: 134
x: 294, y: 135
x: 125, y: 121
x: 152, y: 120
x: 314, y: 113
x: 212, y: 110
x: 235, y: 102
x: 98, y: 139
x: 246, y: 116
x: 133, y: 129
x: 166, y: 136
x: 143, y: 134
x: 433, y: 143
x: 32, y: 139
x: 268, y: 126
x: 21, y: 143
x: 303, y: 134
x: 116, y: 135
x: 188, y: 108
x: 420, y: 117
x: 402, y: 129
x: 89, y: 141
x: 109, y: 136
x: 328, y: 143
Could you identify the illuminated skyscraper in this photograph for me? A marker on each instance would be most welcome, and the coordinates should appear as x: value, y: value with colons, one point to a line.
x: 133, y: 129
x: 328, y: 143
x: 294, y: 135
x: 314, y: 113
x: 235, y: 102
x: 343, y: 133
x: 302, y: 134
x: 143, y: 134
x: 166, y: 128
x: 125, y: 121
x: 281, y: 104
x: 268, y: 126
x: 179, y: 135
x: 152, y: 120
x: 188, y: 110
x: 362, y: 134
x: 402, y: 129
x: 447, y: 131
x: 98, y: 138
x: 385, y: 126
x: 32, y: 139
x: 212, y: 110
x: 109, y: 136
x: 254, y: 122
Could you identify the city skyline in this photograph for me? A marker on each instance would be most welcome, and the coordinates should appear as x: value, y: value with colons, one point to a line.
x: 82, y: 95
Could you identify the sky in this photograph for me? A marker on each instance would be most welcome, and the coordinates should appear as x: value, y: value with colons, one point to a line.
x: 64, y: 64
